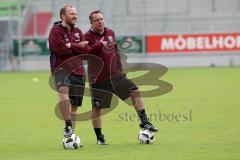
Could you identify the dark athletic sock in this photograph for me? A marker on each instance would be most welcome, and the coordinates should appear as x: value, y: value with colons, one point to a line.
x: 98, y: 132
x: 68, y: 123
x: 142, y: 115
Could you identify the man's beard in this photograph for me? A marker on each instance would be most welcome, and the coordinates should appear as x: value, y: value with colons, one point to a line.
x: 70, y: 23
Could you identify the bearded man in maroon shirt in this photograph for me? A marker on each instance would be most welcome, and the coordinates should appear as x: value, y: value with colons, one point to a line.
x: 66, y: 42
x: 110, y: 79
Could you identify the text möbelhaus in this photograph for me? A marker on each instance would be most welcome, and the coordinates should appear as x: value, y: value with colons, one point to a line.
x: 194, y: 42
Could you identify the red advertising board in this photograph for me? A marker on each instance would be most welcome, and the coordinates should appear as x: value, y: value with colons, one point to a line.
x: 192, y: 42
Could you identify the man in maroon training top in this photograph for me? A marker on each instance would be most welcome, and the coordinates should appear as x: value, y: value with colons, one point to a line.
x: 110, y: 79
x: 66, y: 42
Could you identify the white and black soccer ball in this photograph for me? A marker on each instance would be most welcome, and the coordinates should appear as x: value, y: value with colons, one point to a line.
x: 146, y: 136
x: 72, y: 142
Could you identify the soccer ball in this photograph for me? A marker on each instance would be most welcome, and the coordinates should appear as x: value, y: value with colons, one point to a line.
x: 146, y: 136
x: 72, y: 142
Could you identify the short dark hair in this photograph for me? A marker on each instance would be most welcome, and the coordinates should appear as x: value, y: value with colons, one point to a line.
x: 92, y: 13
x: 63, y: 9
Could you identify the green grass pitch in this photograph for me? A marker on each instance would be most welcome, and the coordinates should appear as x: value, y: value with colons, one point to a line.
x: 206, y: 101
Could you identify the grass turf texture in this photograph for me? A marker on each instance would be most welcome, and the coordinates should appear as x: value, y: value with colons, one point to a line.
x: 30, y: 129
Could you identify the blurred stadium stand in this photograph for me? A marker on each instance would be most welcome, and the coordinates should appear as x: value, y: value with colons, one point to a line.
x: 29, y: 21
x: 42, y: 20
x: 3, y: 31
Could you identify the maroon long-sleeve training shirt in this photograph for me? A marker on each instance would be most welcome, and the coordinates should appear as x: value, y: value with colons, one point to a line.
x: 107, y: 63
x: 60, y: 54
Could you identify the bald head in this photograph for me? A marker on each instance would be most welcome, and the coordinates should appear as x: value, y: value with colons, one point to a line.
x: 68, y: 15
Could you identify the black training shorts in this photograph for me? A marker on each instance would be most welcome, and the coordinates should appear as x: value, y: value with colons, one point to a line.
x: 102, y: 92
x: 75, y: 83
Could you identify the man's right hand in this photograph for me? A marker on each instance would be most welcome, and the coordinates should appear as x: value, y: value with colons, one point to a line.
x: 83, y: 43
x: 105, y: 44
